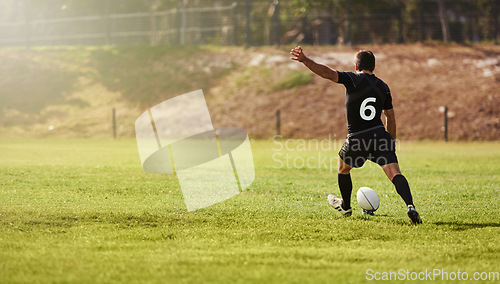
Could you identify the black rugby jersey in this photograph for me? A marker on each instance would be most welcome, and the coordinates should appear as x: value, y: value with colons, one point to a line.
x: 366, y: 97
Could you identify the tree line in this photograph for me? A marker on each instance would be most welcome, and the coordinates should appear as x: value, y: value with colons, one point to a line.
x: 308, y: 21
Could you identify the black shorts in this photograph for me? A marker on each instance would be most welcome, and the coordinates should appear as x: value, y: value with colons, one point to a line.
x: 375, y: 145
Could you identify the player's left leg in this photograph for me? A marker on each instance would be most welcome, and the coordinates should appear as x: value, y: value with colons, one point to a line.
x: 351, y: 155
x: 345, y: 185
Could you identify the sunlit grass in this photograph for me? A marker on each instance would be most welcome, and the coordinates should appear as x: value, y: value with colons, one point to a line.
x: 85, y: 211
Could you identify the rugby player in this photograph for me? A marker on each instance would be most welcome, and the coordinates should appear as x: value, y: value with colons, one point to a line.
x: 366, y: 98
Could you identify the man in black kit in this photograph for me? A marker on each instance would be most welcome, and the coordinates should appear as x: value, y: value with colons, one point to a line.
x: 366, y: 98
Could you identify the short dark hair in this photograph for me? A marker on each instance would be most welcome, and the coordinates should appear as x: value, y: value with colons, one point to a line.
x: 365, y: 60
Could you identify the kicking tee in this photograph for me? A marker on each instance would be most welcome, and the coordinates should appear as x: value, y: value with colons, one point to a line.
x: 366, y: 97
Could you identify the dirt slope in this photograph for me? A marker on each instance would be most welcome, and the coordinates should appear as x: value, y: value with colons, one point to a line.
x: 421, y: 78
x: 70, y: 91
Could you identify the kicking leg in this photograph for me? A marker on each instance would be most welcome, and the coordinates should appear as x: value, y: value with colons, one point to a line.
x: 345, y: 184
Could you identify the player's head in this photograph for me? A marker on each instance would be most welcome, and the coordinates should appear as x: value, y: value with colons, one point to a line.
x: 364, y: 60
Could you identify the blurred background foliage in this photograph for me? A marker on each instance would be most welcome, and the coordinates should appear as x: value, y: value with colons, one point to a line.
x: 263, y: 22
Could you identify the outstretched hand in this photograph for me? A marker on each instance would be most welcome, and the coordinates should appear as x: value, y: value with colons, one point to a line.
x: 298, y: 54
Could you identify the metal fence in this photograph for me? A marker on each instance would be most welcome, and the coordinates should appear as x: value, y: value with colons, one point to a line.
x: 176, y: 26
x: 246, y: 22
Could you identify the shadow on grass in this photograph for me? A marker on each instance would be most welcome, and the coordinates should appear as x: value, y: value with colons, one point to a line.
x: 453, y: 226
x: 457, y: 226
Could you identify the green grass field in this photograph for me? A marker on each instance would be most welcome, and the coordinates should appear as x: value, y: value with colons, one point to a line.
x: 84, y: 211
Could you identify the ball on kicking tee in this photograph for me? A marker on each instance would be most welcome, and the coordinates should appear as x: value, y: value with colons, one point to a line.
x: 368, y: 200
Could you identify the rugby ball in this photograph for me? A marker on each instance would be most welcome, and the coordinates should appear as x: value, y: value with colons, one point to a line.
x: 368, y: 199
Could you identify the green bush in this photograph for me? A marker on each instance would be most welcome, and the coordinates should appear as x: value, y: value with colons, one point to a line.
x: 293, y: 79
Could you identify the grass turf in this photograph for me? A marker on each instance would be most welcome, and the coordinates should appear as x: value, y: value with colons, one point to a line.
x: 84, y: 211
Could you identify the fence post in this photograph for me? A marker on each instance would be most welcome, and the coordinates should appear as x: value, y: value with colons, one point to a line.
x: 495, y: 14
x: 27, y: 35
x: 348, y: 18
x: 154, y: 29
x: 446, y: 124
x: 444, y: 109
x: 275, y: 19
x: 107, y: 28
x: 421, y: 22
x: 248, y: 28
x: 184, y: 22
x: 399, y: 10
x: 114, y: 123
x: 234, y: 15
x: 178, y: 22
x: 278, y: 123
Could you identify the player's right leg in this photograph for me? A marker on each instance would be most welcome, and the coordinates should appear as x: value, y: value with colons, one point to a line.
x: 403, y: 188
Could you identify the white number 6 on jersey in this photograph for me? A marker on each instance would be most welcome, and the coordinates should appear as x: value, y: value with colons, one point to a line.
x: 364, y: 107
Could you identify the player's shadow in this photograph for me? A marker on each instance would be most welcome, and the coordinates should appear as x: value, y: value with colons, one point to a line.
x: 373, y: 218
x: 453, y: 226
x: 458, y: 226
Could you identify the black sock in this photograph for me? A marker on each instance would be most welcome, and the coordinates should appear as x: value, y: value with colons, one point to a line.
x: 403, y: 189
x: 345, y: 185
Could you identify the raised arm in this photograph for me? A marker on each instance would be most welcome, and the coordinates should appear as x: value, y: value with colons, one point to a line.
x: 390, y: 122
x: 320, y: 69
